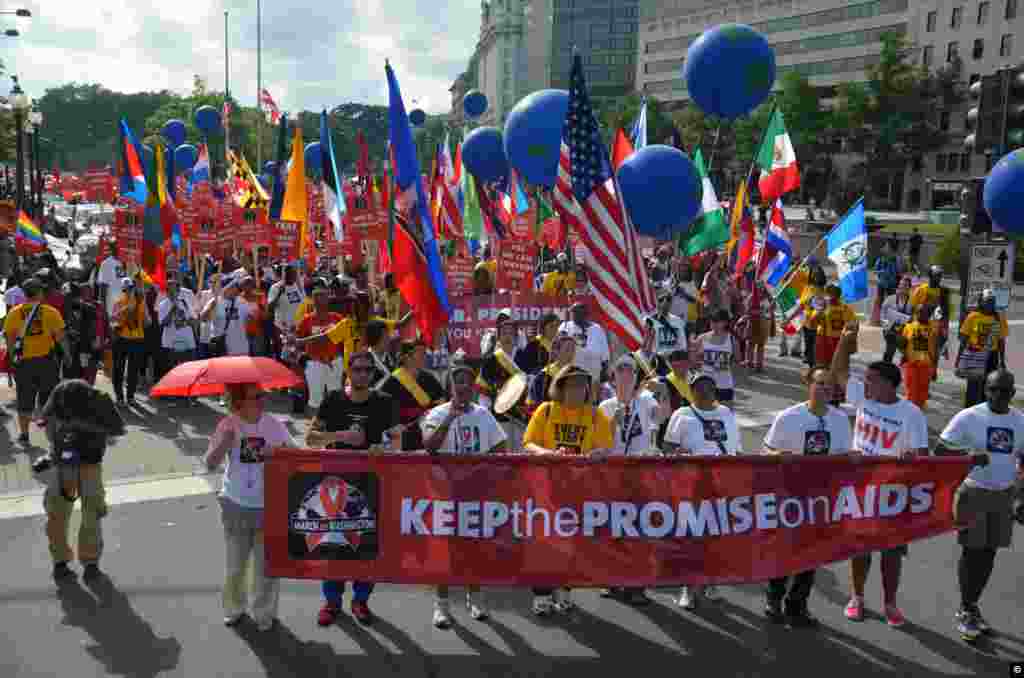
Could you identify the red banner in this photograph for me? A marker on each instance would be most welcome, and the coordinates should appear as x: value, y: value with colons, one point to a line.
x: 473, y: 316
x: 284, y: 240
x: 127, y: 233
x: 517, y: 520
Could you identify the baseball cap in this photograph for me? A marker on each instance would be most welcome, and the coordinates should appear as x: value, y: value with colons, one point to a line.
x: 697, y: 376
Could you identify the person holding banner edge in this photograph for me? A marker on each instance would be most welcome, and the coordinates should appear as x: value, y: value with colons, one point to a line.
x: 461, y: 426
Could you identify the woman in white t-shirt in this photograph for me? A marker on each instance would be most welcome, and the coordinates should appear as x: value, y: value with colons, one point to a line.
x: 245, y: 437
x: 460, y: 426
x: 636, y: 414
x: 229, y: 314
x: 810, y: 428
x: 704, y: 428
x: 716, y: 351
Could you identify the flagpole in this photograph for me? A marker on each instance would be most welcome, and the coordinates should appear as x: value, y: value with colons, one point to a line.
x: 259, y: 87
x: 227, y: 90
x: 764, y: 133
x: 789, y: 276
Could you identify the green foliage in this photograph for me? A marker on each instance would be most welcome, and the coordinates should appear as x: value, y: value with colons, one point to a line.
x: 948, y: 254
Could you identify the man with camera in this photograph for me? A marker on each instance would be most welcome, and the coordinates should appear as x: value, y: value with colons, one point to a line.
x: 79, y: 421
x: 33, y: 330
x: 176, y: 315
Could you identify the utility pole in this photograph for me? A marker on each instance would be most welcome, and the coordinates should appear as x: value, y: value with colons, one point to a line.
x: 259, y: 86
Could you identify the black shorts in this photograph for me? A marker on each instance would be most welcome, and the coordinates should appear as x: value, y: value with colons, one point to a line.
x: 34, y: 379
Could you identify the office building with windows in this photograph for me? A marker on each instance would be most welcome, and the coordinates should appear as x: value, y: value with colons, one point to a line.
x: 828, y: 41
x: 979, y: 37
x: 604, y: 32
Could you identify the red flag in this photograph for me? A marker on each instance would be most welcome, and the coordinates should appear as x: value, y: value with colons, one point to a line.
x: 622, y: 148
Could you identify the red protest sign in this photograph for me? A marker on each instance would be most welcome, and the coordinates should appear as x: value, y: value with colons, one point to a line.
x: 207, y: 238
x: 516, y: 260
x: 370, y: 224
x: 459, y: 274
x: 127, y: 233
x: 250, y: 226
x: 524, y: 520
x: 98, y: 185
x: 284, y: 242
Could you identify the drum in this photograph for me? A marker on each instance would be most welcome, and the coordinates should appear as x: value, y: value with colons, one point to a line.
x: 512, y: 392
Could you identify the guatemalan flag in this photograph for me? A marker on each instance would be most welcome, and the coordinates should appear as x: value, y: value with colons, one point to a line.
x: 848, y: 249
x: 133, y: 179
x: 334, y: 199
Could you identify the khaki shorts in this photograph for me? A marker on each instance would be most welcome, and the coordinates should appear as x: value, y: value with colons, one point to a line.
x: 992, y: 513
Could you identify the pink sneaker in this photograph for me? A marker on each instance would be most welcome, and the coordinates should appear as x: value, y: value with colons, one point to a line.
x: 894, y: 616
x: 855, y: 609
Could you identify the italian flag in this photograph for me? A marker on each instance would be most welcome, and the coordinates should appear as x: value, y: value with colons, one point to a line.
x: 779, y: 171
x: 710, y: 229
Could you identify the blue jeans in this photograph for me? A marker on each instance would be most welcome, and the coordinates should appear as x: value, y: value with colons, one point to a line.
x: 334, y: 590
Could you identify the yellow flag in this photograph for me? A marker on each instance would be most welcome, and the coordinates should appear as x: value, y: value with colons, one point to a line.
x: 295, y: 206
x: 736, y: 218
x: 161, y: 175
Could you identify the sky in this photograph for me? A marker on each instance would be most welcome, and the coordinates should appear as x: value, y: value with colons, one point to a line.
x: 315, y: 54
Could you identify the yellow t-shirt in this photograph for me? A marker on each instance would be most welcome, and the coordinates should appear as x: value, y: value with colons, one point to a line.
x: 832, y: 320
x: 39, y: 339
x: 392, y: 304
x: 921, y: 342
x: 924, y: 295
x: 130, y: 317
x: 303, y: 310
x: 813, y: 300
x: 352, y: 335
x: 558, y: 283
x: 581, y: 429
x: 981, y: 329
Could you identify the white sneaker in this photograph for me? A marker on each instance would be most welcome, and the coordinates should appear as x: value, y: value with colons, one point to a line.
x: 477, y: 608
x: 564, y: 601
x: 687, y: 600
x: 442, y: 617
x: 543, y: 605
x: 710, y: 593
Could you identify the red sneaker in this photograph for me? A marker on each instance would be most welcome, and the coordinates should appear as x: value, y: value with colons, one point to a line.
x: 894, y: 616
x: 361, y: 611
x: 328, y: 614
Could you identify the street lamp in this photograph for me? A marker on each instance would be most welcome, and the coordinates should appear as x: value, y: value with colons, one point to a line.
x: 35, y: 118
x: 20, y: 103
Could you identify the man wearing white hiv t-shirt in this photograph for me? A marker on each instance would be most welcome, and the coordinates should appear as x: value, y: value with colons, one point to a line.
x: 886, y: 425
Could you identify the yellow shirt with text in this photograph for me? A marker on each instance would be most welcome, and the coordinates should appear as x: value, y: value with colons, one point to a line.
x: 922, y: 341
x: 832, y: 320
x: 581, y: 429
x: 40, y: 337
x: 980, y: 328
x: 352, y: 335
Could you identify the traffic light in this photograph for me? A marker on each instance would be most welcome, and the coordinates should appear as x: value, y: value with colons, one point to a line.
x: 1014, y: 137
x: 973, y: 217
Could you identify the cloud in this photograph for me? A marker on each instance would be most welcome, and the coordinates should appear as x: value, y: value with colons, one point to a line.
x: 314, y: 54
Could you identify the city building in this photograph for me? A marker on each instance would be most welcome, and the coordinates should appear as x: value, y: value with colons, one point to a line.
x: 828, y: 41
x: 980, y: 36
x: 501, y: 57
x: 604, y: 33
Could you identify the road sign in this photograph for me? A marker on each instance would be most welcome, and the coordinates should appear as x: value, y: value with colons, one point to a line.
x: 991, y: 267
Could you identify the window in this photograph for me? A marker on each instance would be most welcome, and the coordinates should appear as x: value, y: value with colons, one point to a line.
x: 952, y: 52
x: 965, y: 162
x: 1011, y: 10
x: 933, y: 18
x: 940, y: 162
x: 956, y: 18
x: 928, y: 55
x: 944, y: 121
x: 979, y: 49
x: 982, y: 13
x: 1006, y: 45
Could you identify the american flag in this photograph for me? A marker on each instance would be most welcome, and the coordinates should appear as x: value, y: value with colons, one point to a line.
x: 617, y: 275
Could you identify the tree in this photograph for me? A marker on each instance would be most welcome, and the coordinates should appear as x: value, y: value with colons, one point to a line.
x: 622, y: 112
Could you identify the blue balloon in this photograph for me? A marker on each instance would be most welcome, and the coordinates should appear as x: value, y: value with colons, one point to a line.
x: 1004, y: 193
x: 661, y: 190
x: 483, y: 154
x: 533, y: 135
x: 729, y: 70
x: 174, y: 132
x: 417, y: 117
x: 314, y: 157
x: 474, y: 104
x: 208, y: 119
x: 270, y: 167
x: 185, y: 157
x: 267, y: 180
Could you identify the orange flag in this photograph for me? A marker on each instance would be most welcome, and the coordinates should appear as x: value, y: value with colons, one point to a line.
x: 621, y: 148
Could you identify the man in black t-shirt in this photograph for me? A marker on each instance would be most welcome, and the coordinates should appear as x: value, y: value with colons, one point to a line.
x: 414, y: 390
x: 360, y: 420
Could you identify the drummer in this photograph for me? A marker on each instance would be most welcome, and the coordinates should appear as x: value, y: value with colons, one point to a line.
x: 500, y: 365
x: 563, y: 352
x: 677, y: 381
x: 415, y: 390
x: 537, y: 353
x: 665, y: 334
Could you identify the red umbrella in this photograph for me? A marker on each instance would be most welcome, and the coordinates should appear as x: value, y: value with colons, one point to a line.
x: 209, y: 377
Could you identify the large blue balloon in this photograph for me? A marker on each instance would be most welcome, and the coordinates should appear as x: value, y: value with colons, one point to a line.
x: 314, y: 157
x: 1004, y: 193
x: 270, y: 167
x: 533, y: 135
x: 661, y: 190
x: 474, y: 104
x: 185, y: 157
x: 483, y: 154
x: 729, y: 70
x: 417, y: 117
x: 208, y: 119
x: 174, y: 131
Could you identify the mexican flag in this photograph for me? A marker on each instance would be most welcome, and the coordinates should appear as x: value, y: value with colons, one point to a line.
x: 777, y: 160
x: 710, y: 229
x: 788, y: 302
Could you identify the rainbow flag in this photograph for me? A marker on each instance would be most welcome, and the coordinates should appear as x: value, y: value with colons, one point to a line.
x: 27, y: 235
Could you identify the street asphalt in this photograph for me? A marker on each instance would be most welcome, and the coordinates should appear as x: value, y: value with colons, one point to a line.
x: 158, y: 614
